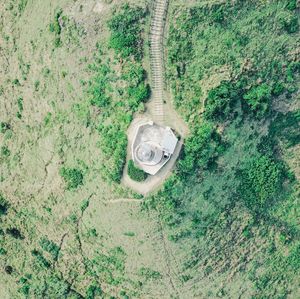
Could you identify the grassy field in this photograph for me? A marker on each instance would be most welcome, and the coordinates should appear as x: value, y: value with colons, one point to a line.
x: 225, y: 225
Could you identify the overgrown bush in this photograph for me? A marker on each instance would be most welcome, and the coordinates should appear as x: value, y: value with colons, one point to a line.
x: 15, y: 233
x: 72, y: 176
x: 135, y: 173
x: 50, y: 247
x: 258, y: 98
x: 118, y: 96
x: 261, y: 181
x: 221, y: 101
x: 113, y: 143
x: 4, y: 205
x: 126, y: 31
x: 201, y: 148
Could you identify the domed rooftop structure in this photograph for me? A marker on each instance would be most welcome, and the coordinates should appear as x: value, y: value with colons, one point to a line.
x: 153, y: 146
x: 148, y: 153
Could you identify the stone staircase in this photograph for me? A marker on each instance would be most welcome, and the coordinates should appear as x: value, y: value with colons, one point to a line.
x: 158, y: 19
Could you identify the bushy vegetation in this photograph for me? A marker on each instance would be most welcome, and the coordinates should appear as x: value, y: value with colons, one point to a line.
x: 135, y: 173
x: 50, y: 247
x: 201, y: 149
x: 261, y: 182
x: 228, y: 84
x: 55, y: 27
x: 4, y: 205
x: 118, y: 96
x: 126, y: 32
x: 73, y: 177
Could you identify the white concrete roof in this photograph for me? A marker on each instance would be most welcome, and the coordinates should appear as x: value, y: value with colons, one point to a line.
x: 169, y: 141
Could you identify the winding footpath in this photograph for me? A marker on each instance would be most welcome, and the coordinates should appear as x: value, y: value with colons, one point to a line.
x: 157, y: 57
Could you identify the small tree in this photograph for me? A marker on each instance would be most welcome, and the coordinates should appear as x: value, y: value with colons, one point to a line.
x: 72, y: 176
x: 135, y: 173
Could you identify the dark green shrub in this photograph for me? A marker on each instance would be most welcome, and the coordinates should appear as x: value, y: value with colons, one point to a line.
x: 20, y: 104
x: 138, y: 94
x: 261, y: 180
x: 220, y: 101
x: 291, y: 5
x: 72, y: 176
x: 50, y: 247
x: 291, y: 24
x: 4, y: 205
x: 40, y: 259
x: 125, y: 29
x: 15, y: 233
x: 4, y: 127
x: 294, y: 258
x: 93, y: 291
x: 202, y: 148
x: 135, y: 173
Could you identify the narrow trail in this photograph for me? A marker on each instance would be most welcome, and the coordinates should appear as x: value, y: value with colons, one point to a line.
x: 157, y: 26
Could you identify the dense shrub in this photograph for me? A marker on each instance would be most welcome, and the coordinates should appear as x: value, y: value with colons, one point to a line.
x: 5, y: 152
x: 135, y: 173
x: 99, y: 86
x: 220, y: 101
x: 50, y: 247
x: 72, y: 176
x: 261, y: 180
x: 42, y: 261
x: 4, y: 205
x: 15, y: 233
x: 291, y: 4
x: 258, y: 98
x: 119, y: 94
x: 138, y: 94
x: 201, y: 148
x: 4, y: 126
x: 93, y: 291
x: 126, y: 31
x: 113, y: 143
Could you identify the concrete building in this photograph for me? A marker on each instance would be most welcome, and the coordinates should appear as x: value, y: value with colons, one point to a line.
x: 153, y: 146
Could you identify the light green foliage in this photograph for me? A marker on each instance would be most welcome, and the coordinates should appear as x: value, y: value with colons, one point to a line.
x: 118, y: 97
x: 100, y: 86
x: 258, y: 98
x: 135, y: 173
x: 22, y: 5
x: 55, y: 27
x: 149, y: 273
x: 110, y: 266
x: 72, y: 176
x: 113, y: 144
